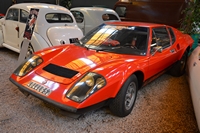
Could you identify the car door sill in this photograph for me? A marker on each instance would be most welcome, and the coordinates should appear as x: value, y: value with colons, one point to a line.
x: 11, y: 48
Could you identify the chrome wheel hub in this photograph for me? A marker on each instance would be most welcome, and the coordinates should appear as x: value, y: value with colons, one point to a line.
x: 29, y: 52
x: 130, y: 95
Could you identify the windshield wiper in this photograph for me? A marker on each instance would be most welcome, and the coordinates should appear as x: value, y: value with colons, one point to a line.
x: 104, y: 49
x: 101, y: 50
x: 79, y: 43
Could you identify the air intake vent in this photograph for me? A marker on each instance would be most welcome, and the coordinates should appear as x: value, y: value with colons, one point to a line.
x: 60, y: 71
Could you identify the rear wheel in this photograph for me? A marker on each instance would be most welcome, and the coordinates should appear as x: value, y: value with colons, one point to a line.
x: 179, y: 67
x: 30, y: 51
x: 123, y: 103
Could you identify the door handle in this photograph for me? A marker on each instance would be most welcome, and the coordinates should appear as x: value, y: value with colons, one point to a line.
x: 17, y: 29
x: 172, y: 50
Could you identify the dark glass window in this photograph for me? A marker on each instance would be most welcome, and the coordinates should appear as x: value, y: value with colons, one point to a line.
x: 12, y: 14
x: 108, y: 17
x: 153, y: 42
x: 58, y: 18
x: 121, y: 11
x: 172, y: 35
x: 162, y: 37
x: 118, y: 39
x: 78, y: 16
x: 23, y: 16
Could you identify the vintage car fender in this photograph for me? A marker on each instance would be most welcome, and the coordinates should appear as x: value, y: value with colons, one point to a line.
x: 64, y: 34
x: 193, y: 77
x: 56, y: 35
x: 38, y: 42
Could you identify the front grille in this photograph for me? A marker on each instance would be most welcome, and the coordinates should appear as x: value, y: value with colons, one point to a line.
x: 60, y: 71
x: 39, y: 88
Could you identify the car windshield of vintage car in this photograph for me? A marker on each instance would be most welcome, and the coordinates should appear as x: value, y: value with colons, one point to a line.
x: 118, y: 39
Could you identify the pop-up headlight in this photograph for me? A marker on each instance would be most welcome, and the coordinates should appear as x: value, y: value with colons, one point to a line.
x: 28, y: 65
x: 88, y: 85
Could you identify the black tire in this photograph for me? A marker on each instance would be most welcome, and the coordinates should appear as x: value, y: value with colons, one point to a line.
x: 178, y: 69
x: 123, y: 103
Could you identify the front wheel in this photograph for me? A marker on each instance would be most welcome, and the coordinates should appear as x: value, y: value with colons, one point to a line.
x: 179, y: 67
x: 123, y: 103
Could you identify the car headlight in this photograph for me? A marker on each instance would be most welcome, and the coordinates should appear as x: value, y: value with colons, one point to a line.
x: 28, y: 65
x: 86, y: 86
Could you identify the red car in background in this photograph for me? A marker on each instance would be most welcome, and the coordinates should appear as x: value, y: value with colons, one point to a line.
x: 106, y: 67
x: 1, y: 15
x: 167, y: 12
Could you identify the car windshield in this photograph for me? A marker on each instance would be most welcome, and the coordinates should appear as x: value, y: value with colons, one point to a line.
x: 118, y: 39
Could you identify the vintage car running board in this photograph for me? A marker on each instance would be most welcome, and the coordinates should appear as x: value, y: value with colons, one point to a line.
x: 10, y: 47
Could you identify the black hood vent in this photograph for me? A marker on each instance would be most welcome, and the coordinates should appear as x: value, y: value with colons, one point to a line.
x: 60, y: 71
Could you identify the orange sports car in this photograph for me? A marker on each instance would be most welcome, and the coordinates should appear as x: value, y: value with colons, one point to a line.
x: 106, y: 67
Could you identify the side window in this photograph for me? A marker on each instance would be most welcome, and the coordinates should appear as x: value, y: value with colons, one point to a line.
x: 58, y: 18
x: 78, y: 16
x: 12, y: 15
x: 121, y: 11
x: 162, y: 37
x: 153, y: 42
x: 23, y: 16
x: 66, y: 18
x: 172, y: 35
x: 108, y: 17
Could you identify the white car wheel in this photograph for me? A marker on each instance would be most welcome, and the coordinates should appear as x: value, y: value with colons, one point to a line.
x: 30, y: 51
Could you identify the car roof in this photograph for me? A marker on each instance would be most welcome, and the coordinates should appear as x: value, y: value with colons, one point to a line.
x: 41, y: 6
x: 97, y: 9
x: 95, y: 12
x: 143, y: 24
x: 43, y: 10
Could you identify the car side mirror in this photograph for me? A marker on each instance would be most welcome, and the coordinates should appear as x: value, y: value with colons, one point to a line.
x: 157, y: 49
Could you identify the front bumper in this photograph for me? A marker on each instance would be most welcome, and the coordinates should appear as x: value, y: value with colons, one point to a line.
x: 64, y: 107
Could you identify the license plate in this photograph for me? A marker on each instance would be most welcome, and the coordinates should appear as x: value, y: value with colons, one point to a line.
x: 39, y: 88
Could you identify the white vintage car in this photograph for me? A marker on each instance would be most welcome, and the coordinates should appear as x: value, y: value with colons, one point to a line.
x: 89, y: 17
x: 55, y: 25
x: 193, y: 72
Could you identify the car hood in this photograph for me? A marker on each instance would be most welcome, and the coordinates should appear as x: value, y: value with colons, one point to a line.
x: 72, y: 61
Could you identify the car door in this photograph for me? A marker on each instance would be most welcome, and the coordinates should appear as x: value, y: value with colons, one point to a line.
x: 159, y: 61
x: 10, y: 28
x: 79, y: 20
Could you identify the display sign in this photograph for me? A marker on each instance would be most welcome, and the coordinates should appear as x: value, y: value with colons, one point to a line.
x: 30, y: 24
